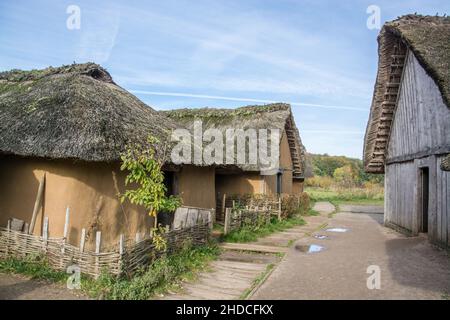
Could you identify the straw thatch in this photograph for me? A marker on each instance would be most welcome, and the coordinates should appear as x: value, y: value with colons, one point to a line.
x: 445, y: 164
x: 272, y: 116
x: 428, y: 38
x: 72, y: 112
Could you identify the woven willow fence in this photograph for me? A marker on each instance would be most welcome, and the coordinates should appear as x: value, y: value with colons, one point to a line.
x: 239, y: 218
x: 127, y: 257
x: 254, y: 202
x: 253, y: 215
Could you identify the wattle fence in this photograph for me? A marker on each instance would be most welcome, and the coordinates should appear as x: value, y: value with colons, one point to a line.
x: 254, y: 212
x: 128, y: 256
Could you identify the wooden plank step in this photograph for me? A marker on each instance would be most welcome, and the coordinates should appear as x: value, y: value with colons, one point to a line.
x: 203, y: 294
x: 226, y: 276
x: 252, y: 247
x: 219, y: 290
x: 239, y: 272
x: 225, y: 283
x: 240, y: 265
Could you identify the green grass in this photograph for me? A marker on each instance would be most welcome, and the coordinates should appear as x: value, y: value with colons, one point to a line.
x: 166, y: 273
x: 344, y: 197
x: 33, y: 266
x: 249, y: 234
x: 257, y: 281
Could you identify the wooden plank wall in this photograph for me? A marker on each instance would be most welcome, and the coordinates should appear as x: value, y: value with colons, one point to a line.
x: 422, y: 120
x: 419, y: 137
x: 402, y: 203
x: 443, y: 205
x: 400, y: 184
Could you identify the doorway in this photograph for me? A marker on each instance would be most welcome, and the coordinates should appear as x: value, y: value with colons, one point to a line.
x: 424, y: 196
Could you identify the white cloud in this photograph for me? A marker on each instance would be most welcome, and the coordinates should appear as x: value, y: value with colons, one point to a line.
x: 99, y: 29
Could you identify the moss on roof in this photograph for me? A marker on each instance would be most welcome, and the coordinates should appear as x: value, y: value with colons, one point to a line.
x: 226, y: 114
x: 270, y: 116
x: 429, y: 38
x: 73, y: 111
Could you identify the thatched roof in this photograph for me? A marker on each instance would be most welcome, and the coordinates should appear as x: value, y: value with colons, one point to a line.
x: 271, y: 116
x: 429, y: 39
x: 72, y: 112
x: 445, y: 164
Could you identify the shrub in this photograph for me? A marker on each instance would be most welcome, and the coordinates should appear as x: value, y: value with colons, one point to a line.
x: 324, y: 182
x: 293, y: 205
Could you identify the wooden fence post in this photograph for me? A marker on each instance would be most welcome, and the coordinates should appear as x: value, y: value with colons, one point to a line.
x: 98, y: 240
x: 224, y: 201
x: 121, y: 251
x: 279, y: 208
x: 37, y: 204
x: 212, y: 218
x: 8, y: 235
x: 137, y: 237
x: 226, y: 228
x: 82, y: 239
x: 45, y: 233
x: 66, y: 231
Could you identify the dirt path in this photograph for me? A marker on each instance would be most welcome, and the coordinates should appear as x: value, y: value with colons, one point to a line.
x: 410, y: 268
x: 17, y: 287
x: 234, y: 273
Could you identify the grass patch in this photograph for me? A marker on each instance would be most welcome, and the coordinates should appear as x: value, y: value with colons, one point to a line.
x: 33, y: 266
x: 257, y: 281
x: 345, y: 196
x: 249, y: 234
x: 312, y: 212
x: 217, y: 227
x: 166, y: 273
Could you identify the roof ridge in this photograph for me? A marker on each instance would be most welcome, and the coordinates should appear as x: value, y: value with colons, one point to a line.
x: 91, y: 69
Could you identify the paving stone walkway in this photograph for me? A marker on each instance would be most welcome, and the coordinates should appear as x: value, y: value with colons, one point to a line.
x: 408, y: 267
x: 233, y: 275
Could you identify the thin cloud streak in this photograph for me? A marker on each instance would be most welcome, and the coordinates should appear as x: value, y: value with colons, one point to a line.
x: 204, y: 96
x: 334, y: 132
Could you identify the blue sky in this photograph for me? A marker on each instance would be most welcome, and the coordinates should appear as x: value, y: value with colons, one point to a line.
x: 318, y: 55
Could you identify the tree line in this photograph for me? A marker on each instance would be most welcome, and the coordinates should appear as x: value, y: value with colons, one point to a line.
x: 345, y: 171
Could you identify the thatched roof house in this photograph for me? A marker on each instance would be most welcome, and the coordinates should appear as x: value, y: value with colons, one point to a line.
x: 65, y: 128
x: 248, y: 178
x: 428, y: 39
x: 272, y: 116
x: 72, y: 112
x: 408, y: 132
x: 71, y: 124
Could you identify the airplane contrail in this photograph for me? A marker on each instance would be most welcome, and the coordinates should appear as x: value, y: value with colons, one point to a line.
x: 204, y: 96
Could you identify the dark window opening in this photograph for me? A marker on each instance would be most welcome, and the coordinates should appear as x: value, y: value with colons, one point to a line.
x: 279, y: 182
x: 424, y: 196
x: 169, y: 182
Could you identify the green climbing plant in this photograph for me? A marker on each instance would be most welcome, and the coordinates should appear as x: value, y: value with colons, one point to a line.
x: 145, y: 180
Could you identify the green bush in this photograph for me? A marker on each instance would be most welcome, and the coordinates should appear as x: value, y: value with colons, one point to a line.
x: 160, y: 276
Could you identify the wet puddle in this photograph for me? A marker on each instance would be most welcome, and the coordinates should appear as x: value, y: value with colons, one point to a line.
x: 321, y: 236
x: 309, y: 248
x: 341, y: 230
